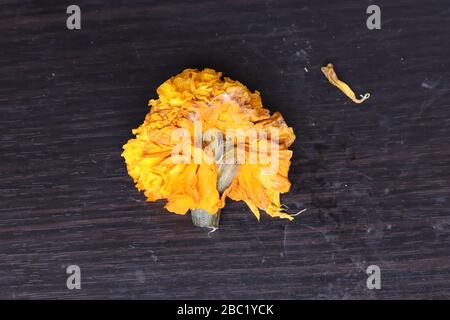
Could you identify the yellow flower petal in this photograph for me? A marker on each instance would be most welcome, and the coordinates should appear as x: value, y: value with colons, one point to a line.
x: 329, y: 72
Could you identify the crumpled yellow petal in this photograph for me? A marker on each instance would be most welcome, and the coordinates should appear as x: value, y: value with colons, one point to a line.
x: 330, y: 74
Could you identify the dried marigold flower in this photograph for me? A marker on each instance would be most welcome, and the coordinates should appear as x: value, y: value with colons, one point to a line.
x: 330, y: 74
x: 194, y: 98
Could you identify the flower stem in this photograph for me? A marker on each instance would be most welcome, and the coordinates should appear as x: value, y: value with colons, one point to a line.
x: 225, y: 174
x: 204, y: 219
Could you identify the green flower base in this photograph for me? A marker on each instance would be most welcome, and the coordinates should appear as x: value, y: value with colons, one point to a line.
x: 204, y: 219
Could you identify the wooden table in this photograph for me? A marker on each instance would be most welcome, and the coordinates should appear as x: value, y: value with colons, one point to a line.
x: 375, y: 177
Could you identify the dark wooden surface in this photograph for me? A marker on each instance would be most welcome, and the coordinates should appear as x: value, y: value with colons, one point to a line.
x: 375, y: 177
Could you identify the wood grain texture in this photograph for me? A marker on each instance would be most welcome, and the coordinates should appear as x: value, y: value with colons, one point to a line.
x: 375, y: 177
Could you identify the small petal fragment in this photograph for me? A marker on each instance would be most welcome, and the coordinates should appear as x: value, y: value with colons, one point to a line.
x: 329, y: 72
